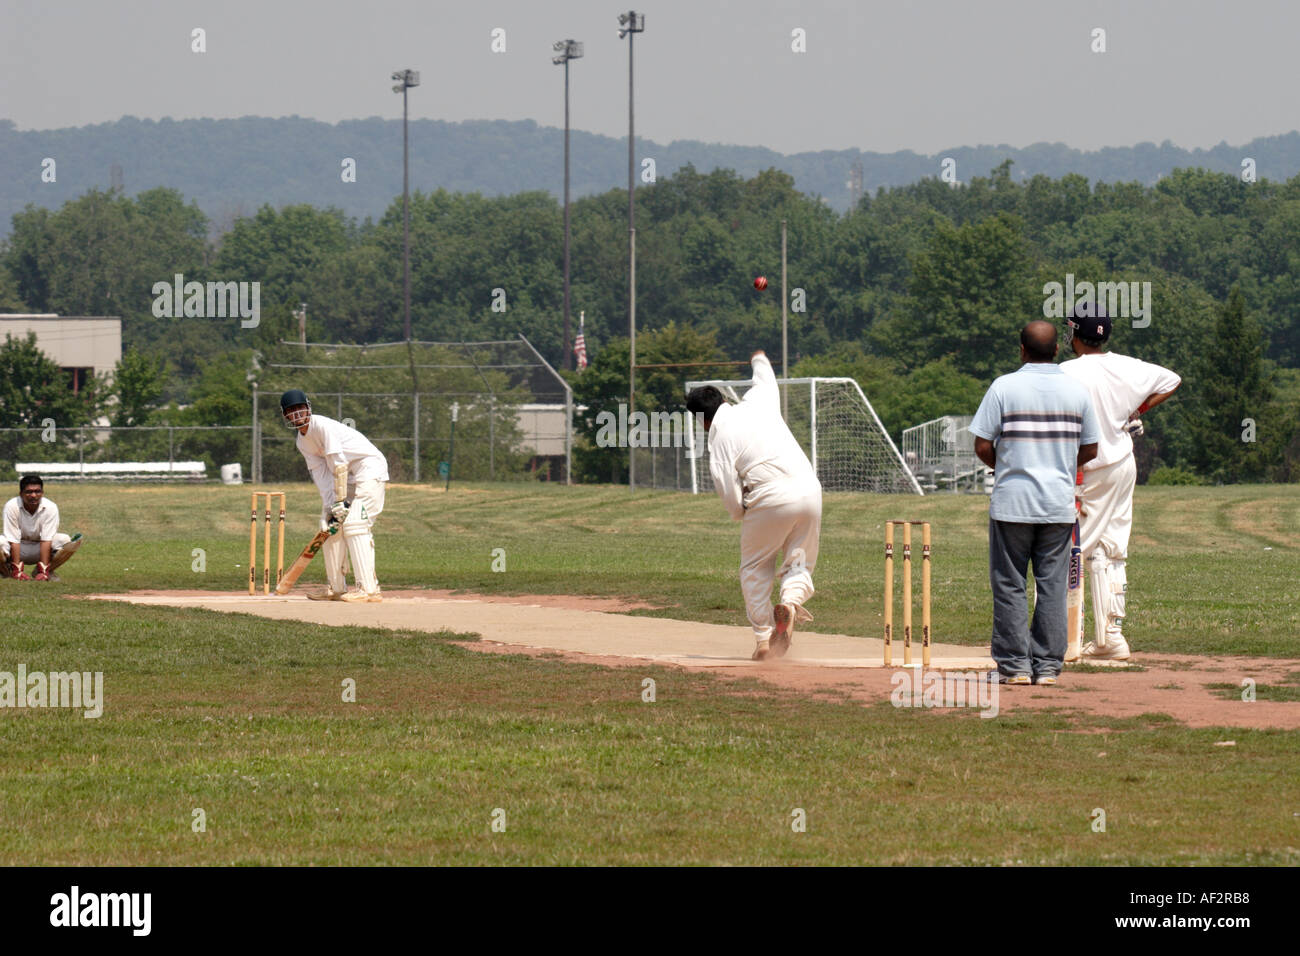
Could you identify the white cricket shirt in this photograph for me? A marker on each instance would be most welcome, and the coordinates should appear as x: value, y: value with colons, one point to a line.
x: 754, y: 459
x: 1118, y: 384
x: 329, y: 443
x: 22, y: 525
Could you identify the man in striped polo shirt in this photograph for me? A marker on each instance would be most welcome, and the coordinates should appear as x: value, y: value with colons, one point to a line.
x: 1034, y: 428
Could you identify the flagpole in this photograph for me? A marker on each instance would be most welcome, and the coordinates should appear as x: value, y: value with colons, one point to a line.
x: 580, y: 343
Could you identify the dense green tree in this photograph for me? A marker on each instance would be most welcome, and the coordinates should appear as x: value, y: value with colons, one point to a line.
x: 33, y: 389
x: 603, y: 387
x: 1056, y: 202
x: 1206, y: 193
x: 138, y: 383
x: 26, y: 256
x: 10, y: 298
x: 970, y: 293
x: 281, y: 249
x: 356, y: 297
x: 223, y: 394
x: 1237, y: 430
x: 100, y: 254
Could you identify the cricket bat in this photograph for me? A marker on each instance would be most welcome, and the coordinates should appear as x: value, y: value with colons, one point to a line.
x: 300, y: 565
x: 1074, y: 598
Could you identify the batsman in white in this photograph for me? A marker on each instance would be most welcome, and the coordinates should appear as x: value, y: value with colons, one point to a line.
x: 350, y: 473
x: 766, y: 481
x: 31, y: 534
x: 1122, y: 388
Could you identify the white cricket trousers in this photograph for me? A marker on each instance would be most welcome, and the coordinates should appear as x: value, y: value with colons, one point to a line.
x: 1104, y: 530
x: 367, y: 502
x: 1107, y: 501
x: 791, y: 529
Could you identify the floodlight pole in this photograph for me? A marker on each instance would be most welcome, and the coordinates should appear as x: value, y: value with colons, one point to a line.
x: 631, y: 23
x: 405, y: 79
x: 406, y: 224
x: 567, y: 50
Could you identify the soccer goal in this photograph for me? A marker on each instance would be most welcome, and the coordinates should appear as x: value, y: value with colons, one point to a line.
x: 837, y: 429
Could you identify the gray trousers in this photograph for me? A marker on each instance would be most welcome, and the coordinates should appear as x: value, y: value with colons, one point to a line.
x: 1037, y: 649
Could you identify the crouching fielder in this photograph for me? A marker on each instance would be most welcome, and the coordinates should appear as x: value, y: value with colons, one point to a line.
x: 765, y: 481
x: 350, y: 473
x: 31, y: 534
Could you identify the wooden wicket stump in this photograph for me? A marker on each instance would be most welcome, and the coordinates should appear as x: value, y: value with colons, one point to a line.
x: 907, y: 592
x: 256, y: 497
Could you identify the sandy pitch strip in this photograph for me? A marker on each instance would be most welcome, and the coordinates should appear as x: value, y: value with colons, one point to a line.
x: 599, y: 633
x: 593, y: 629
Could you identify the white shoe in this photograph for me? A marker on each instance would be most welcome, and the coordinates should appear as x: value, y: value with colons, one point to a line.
x: 326, y: 595
x: 1116, y: 649
x: 761, y: 650
x: 361, y: 597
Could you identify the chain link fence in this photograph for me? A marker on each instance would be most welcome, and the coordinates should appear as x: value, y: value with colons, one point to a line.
x: 78, y: 451
x: 666, y: 468
x: 495, y: 439
x: 485, y: 411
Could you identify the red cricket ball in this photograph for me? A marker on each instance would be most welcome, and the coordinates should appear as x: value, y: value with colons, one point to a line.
x: 760, y: 283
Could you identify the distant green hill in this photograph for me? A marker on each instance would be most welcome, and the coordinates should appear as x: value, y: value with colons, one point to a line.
x: 232, y: 167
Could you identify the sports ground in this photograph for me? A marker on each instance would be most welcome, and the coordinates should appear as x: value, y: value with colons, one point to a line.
x: 503, y: 715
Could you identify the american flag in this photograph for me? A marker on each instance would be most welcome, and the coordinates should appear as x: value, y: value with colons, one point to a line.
x: 580, y: 343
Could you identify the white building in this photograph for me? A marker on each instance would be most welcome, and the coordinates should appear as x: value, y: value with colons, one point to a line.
x: 82, y: 346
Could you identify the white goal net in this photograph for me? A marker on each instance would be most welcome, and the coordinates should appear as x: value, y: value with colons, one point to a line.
x: 838, y: 430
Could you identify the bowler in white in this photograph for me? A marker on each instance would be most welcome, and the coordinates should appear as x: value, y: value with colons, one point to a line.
x: 768, y: 484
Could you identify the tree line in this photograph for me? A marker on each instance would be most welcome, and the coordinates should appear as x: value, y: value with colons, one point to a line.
x: 918, y: 292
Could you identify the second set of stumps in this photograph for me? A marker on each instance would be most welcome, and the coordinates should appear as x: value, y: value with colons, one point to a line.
x: 907, y: 592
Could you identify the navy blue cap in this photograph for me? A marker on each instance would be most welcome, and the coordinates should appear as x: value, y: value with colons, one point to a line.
x: 1089, y: 321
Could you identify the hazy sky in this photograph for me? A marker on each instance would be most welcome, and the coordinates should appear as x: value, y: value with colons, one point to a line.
x: 879, y: 76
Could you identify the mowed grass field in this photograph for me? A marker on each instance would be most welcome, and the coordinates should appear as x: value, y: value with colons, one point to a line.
x: 243, y: 718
